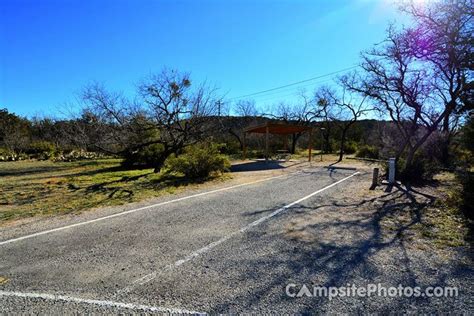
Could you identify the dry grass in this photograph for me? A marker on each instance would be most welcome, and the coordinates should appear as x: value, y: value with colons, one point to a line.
x: 30, y: 188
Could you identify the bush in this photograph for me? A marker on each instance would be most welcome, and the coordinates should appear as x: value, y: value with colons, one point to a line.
x: 8, y: 155
x: 422, y: 168
x: 198, y: 161
x: 467, y: 181
x: 231, y: 148
x: 148, y: 156
x: 367, y: 151
x: 329, y: 148
x: 350, y: 147
x: 42, y: 150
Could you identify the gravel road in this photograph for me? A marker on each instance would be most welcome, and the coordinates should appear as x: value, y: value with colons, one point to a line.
x: 227, y: 251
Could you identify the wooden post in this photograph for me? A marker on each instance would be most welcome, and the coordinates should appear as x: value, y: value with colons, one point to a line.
x: 375, y: 178
x: 266, y: 142
x: 285, y: 142
x: 309, y: 144
x: 244, y: 143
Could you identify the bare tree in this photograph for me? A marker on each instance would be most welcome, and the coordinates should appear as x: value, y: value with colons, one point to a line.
x: 419, y: 75
x: 245, y: 108
x: 246, y: 112
x: 343, y: 110
x: 167, y: 113
x: 322, y: 112
x: 292, y: 114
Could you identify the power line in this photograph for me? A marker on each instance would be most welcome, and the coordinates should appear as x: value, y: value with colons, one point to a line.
x: 294, y: 89
x: 295, y: 83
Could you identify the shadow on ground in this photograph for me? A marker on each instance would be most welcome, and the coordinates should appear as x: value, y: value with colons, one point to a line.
x: 357, y: 249
x: 259, y: 165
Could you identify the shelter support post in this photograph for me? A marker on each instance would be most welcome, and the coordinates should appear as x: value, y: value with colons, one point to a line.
x: 244, y: 146
x: 267, y: 133
x: 285, y: 130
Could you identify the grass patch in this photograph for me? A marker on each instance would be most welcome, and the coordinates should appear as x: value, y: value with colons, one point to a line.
x: 31, y: 188
x: 445, y: 222
x: 439, y: 221
x: 444, y: 227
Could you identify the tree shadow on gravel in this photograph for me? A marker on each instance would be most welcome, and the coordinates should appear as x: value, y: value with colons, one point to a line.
x: 357, y: 250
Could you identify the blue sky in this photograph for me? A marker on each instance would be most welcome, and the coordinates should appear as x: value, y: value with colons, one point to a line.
x: 49, y: 49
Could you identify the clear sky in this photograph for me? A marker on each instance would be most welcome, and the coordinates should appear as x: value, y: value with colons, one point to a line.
x: 49, y: 49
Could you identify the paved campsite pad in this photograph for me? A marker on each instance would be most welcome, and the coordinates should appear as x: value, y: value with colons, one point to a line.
x: 133, y: 258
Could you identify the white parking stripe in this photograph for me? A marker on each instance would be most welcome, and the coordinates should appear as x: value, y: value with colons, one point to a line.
x: 149, y: 277
x: 102, y: 303
x: 135, y: 210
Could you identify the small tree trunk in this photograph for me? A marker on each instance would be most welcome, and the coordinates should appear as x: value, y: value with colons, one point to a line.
x: 401, y: 150
x: 294, y: 140
x: 411, y: 153
x: 409, y: 160
x: 241, y: 144
x: 445, y: 149
x: 327, y: 145
x: 239, y: 139
x: 341, y: 149
x: 160, y: 162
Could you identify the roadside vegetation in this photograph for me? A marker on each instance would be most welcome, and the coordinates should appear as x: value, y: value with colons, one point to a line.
x: 435, y: 214
x: 30, y: 188
x: 119, y: 148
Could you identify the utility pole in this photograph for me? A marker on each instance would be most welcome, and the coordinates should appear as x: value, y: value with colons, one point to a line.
x: 219, y: 105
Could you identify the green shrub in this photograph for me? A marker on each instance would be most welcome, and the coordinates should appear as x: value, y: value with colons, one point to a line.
x: 6, y: 154
x: 422, y: 168
x: 331, y: 147
x: 367, y: 151
x: 42, y: 150
x: 148, y: 156
x: 198, y: 161
x: 467, y: 181
x: 231, y: 148
x: 350, y: 147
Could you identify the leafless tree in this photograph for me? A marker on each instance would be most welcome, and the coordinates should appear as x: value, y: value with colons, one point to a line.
x: 246, y: 114
x: 418, y: 75
x: 343, y: 109
x: 245, y: 108
x: 168, y: 112
x: 297, y: 113
x: 321, y: 111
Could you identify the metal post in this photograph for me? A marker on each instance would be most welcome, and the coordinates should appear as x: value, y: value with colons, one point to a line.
x: 391, y: 170
x: 244, y: 154
x: 310, y: 144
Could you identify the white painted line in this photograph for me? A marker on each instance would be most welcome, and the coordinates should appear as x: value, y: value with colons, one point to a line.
x: 102, y: 303
x: 149, y: 277
x: 135, y: 210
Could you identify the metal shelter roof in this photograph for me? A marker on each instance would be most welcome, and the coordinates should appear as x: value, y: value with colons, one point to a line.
x: 277, y: 128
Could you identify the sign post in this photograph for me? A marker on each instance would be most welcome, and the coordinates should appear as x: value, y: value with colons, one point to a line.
x: 391, y: 170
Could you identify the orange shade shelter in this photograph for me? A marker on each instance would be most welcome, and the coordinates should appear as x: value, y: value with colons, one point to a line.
x: 277, y: 129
